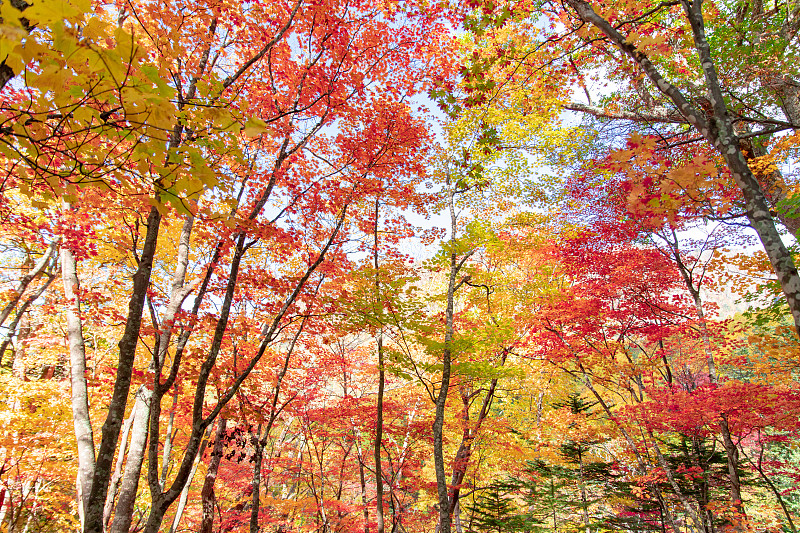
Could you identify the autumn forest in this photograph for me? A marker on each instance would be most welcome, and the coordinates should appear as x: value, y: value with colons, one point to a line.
x: 399, y: 266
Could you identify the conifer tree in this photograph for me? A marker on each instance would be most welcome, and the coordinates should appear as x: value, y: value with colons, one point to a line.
x: 495, y: 511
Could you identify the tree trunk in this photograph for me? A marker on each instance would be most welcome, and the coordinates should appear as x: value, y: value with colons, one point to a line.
x: 441, y: 398
x: 209, y: 499
x: 584, y: 499
x: 117, y: 477
x: 771, y: 182
x: 553, y: 500
x: 123, y: 514
x: 161, y: 500
x: 21, y: 314
x: 732, y: 451
x: 80, y: 395
x: 258, y: 457
x: 687, y: 507
x: 441, y: 401
x: 122, y: 383
x: 457, y: 517
x: 18, y: 366
x: 702, y: 493
x: 363, y: 480
x: 261, y: 441
x: 666, y: 513
x: 378, y: 441
x: 168, y: 436
x: 185, y: 492
x: 5, y: 503
x: 759, y: 467
x: 381, y: 382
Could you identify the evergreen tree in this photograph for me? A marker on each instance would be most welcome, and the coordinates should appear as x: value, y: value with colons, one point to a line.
x: 495, y: 511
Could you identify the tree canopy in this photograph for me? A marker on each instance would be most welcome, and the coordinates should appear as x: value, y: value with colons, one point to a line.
x: 399, y: 266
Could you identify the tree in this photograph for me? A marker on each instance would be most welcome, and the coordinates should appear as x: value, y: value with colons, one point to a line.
x: 494, y: 511
x: 716, y: 126
x: 202, y: 109
x: 641, y: 34
x: 226, y: 194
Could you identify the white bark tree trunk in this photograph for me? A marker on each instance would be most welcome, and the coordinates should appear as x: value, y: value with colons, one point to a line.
x: 80, y: 393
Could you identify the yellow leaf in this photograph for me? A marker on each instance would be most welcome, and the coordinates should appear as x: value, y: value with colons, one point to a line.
x: 10, y: 15
x: 254, y: 127
x: 45, y: 12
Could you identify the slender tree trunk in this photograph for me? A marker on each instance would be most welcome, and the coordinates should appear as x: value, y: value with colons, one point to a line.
x: 281, y: 441
x: 258, y: 457
x: 80, y: 394
x: 13, y: 516
x: 362, y: 478
x: 127, y: 347
x: 381, y: 382
x: 378, y: 440
x: 441, y: 401
x: 393, y: 504
x: 22, y: 313
x: 5, y: 503
x: 18, y: 366
x: 771, y: 181
x: 687, y: 506
x: 123, y: 514
x: 162, y: 499
x: 539, y: 408
x: 399, y: 510
x: 34, y: 508
x: 665, y: 510
x: 447, y: 353
x: 468, y: 435
x: 261, y: 441
x: 9, y: 512
x: 732, y: 451
x: 117, y: 477
x: 185, y: 492
x: 168, y: 436
x: 703, y: 496
x: 209, y: 499
x: 721, y: 134
x: 457, y: 517
x: 122, y: 384
x: 553, y: 501
x: 290, y: 489
x: 128, y: 343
